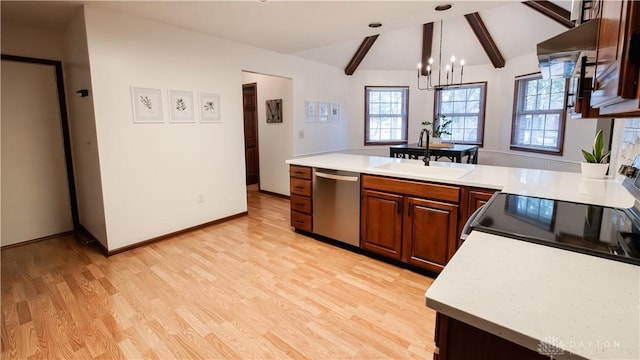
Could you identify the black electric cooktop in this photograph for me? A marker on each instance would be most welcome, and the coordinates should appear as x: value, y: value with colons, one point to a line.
x: 589, y: 229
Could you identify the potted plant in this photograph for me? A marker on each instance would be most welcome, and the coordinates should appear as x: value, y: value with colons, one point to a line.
x: 438, y: 127
x: 596, y: 162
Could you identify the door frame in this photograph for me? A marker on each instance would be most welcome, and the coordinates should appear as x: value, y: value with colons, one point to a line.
x: 253, y: 85
x: 64, y: 120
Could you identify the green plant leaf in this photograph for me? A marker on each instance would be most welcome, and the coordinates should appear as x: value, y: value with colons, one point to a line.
x: 588, y: 157
x: 605, y: 158
x: 598, y: 146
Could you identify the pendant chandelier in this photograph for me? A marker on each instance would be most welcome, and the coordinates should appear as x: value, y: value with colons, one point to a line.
x: 449, y: 72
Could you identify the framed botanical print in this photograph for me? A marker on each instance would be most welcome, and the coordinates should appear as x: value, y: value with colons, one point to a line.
x: 147, y: 105
x: 334, y: 116
x: 209, y: 108
x: 181, y: 108
x: 323, y: 112
x: 311, y: 111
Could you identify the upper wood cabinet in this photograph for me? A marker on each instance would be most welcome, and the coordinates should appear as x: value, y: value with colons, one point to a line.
x: 616, y: 84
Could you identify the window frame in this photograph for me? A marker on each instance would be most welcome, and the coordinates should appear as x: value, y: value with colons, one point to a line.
x: 518, y: 95
x: 482, y: 114
x: 405, y: 118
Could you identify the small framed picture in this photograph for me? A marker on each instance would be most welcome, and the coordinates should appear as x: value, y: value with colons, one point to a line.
x: 210, y: 108
x: 181, y: 108
x: 147, y: 105
x: 312, y: 111
x: 323, y: 112
x: 335, y: 113
x: 274, y: 111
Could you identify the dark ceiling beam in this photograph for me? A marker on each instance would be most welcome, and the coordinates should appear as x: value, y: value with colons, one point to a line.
x: 427, y: 40
x: 362, y: 51
x: 489, y: 46
x: 552, y: 11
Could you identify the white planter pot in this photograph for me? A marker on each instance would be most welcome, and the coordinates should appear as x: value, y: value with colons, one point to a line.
x: 594, y: 170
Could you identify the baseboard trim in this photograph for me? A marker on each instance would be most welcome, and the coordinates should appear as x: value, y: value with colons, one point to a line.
x: 274, y: 194
x: 175, y: 233
x: 5, y: 247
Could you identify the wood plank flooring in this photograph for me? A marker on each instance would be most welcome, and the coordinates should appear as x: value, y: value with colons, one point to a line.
x: 250, y: 288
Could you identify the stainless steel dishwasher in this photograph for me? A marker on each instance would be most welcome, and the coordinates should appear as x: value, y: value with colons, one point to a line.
x: 336, y: 205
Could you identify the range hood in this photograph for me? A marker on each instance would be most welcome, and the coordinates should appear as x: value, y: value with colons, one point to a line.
x: 559, y: 55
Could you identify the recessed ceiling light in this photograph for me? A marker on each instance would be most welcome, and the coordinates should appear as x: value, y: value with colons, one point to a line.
x: 443, y: 7
x: 374, y: 25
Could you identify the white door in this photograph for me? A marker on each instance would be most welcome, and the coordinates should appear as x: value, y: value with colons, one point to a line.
x: 35, y: 191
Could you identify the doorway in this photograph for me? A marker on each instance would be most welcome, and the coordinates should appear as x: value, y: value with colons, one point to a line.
x: 250, y: 116
x: 38, y: 189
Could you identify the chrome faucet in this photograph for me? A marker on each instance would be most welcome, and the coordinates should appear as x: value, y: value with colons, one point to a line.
x: 425, y: 133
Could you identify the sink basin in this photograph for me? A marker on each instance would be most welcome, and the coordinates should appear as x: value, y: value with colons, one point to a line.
x: 440, y: 172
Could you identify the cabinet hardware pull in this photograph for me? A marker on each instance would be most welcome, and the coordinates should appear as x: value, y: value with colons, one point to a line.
x: 298, y: 187
x: 299, y: 204
x: 299, y: 222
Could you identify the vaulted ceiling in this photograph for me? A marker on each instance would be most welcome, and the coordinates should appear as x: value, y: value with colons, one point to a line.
x: 329, y: 32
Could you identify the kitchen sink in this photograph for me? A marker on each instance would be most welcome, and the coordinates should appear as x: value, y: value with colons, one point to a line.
x: 418, y: 169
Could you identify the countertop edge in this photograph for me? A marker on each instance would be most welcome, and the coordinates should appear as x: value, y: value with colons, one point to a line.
x: 557, y: 185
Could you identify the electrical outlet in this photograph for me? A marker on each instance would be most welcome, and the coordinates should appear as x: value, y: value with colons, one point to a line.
x: 301, y: 134
x: 200, y: 198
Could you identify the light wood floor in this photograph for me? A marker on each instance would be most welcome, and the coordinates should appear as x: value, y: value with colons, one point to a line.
x: 249, y: 288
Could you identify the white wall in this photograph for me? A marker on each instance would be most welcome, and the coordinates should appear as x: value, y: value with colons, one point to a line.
x: 320, y: 83
x: 31, y: 42
x: 153, y: 174
x: 82, y: 124
x: 497, y: 131
x: 275, y: 140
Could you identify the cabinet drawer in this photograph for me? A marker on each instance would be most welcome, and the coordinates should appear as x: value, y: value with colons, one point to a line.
x: 440, y: 192
x: 301, y: 204
x: 300, y: 187
x: 300, y: 172
x: 301, y: 221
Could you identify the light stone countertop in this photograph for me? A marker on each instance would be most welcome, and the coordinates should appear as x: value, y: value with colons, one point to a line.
x: 527, y: 293
x: 556, y: 185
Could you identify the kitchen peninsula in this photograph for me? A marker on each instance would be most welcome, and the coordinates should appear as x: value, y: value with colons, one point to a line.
x: 534, y: 298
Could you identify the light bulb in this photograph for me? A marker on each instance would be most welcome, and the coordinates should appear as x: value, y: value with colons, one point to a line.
x: 448, y: 67
x: 428, y: 68
x: 462, y: 62
x: 419, y: 66
x: 430, y: 61
x: 453, y: 58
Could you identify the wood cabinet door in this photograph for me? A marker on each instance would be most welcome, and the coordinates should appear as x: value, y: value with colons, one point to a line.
x: 430, y: 233
x: 616, y: 76
x: 381, y: 223
x: 477, y: 198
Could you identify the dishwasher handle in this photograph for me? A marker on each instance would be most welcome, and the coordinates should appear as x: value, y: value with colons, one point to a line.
x: 336, y: 177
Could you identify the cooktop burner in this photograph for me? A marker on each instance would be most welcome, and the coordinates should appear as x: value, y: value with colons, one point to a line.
x: 589, y: 229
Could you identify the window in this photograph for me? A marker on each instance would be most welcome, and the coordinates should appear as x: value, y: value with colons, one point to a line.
x: 539, y: 115
x: 386, y: 116
x: 464, y: 106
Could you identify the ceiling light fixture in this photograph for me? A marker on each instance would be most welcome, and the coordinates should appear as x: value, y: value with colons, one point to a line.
x: 374, y: 25
x: 449, y: 71
x: 443, y: 7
